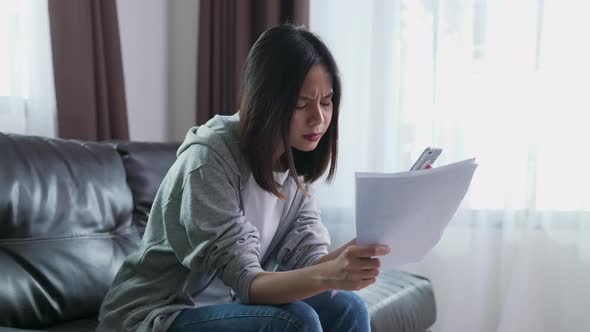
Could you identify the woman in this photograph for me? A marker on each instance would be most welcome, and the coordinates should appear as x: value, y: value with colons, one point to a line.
x: 234, y: 241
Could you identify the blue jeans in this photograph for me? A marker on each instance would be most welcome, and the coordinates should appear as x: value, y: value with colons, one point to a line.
x: 346, y: 311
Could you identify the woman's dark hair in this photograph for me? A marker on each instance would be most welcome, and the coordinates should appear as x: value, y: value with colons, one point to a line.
x: 272, y: 78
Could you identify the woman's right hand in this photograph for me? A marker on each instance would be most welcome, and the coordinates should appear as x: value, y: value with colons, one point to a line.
x: 355, y: 268
x: 352, y: 268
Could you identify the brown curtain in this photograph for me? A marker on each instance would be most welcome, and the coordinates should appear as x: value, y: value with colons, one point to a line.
x: 227, y: 30
x: 88, y: 70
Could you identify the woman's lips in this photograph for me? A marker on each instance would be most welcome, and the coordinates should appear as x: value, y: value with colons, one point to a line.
x: 313, y: 137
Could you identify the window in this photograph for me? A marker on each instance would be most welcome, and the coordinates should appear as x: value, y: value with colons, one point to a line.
x: 27, y: 94
x: 504, y: 81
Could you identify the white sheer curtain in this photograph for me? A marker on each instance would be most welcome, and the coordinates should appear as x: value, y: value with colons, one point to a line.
x: 503, y: 81
x: 27, y: 93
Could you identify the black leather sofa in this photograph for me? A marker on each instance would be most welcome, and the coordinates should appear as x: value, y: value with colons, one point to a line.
x: 71, y: 211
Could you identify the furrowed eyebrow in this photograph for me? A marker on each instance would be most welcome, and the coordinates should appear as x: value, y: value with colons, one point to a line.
x: 310, y: 98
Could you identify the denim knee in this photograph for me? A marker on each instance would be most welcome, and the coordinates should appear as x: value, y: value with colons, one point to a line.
x: 350, y: 302
x: 304, y: 317
x: 352, y: 310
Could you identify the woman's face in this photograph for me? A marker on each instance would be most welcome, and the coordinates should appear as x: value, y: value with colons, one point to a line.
x: 313, y: 111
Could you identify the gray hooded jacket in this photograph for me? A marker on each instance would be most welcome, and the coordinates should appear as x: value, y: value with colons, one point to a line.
x: 197, y: 232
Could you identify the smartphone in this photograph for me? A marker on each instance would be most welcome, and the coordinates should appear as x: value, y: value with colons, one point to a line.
x: 427, y: 157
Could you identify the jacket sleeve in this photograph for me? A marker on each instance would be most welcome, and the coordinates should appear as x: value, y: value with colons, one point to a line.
x: 219, y: 238
x: 307, y: 239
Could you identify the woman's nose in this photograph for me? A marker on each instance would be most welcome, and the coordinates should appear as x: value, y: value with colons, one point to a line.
x: 316, y: 116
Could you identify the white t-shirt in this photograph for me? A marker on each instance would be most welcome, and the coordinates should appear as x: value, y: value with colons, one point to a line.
x: 264, y: 211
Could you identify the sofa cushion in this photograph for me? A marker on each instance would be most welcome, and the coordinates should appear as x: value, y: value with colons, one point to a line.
x: 146, y: 164
x: 400, y: 301
x: 82, y: 325
x: 65, y: 228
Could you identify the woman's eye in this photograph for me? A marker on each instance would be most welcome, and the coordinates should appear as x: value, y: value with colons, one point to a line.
x: 327, y: 103
x: 300, y: 107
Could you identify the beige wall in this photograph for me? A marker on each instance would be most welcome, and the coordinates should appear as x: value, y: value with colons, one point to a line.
x: 158, y: 41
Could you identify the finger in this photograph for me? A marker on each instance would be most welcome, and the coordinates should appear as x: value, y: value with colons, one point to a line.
x: 368, y: 274
x: 358, y: 284
x: 368, y: 263
x: 368, y: 251
x: 362, y: 274
x: 366, y: 283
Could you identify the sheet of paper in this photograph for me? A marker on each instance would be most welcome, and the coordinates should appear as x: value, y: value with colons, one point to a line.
x: 408, y: 211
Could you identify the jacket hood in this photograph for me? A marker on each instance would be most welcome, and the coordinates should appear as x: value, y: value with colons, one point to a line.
x: 222, y: 135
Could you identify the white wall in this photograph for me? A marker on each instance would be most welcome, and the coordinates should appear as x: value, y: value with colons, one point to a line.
x: 142, y: 26
x: 183, y: 27
x: 158, y: 41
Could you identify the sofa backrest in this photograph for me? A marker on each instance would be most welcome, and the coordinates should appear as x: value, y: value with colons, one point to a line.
x: 65, y: 228
x: 146, y: 164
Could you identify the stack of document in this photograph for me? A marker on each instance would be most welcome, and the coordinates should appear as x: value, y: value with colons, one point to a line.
x: 408, y: 211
